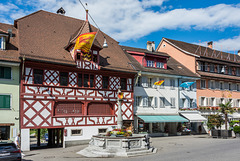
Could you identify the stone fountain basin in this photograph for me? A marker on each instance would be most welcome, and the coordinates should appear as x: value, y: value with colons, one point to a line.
x: 108, y: 146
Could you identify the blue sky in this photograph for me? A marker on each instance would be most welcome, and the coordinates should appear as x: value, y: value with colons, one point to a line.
x: 133, y: 22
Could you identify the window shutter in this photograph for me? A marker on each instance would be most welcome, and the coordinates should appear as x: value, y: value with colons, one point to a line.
x: 156, y: 102
x: 207, y: 101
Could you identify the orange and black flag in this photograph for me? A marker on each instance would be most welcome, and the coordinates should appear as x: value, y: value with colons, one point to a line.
x: 84, y: 43
x: 159, y: 82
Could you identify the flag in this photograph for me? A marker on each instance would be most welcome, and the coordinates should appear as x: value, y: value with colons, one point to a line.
x: 84, y: 43
x: 159, y: 82
x: 186, y: 84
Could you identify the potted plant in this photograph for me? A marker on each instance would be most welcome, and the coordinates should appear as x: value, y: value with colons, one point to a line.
x: 236, y: 130
x: 179, y: 129
x: 166, y: 130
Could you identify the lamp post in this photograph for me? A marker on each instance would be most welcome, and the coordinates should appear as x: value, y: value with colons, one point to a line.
x: 119, y: 117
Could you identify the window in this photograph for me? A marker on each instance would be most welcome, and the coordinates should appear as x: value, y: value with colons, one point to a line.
x: 206, y: 66
x: 160, y: 65
x: 237, y: 72
x: 63, y: 78
x: 102, y: 131
x: 105, y: 82
x: 139, y: 82
x: 38, y: 76
x: 5, y: 72
x: 212, y: 100
x: 150, y: 82
x: 5, y: 101
x: 203, y: 83
x: 2, y: 43
x: 200, y: 66
x: 76, y: 132
x: 222, y: 100
x: 191, y: 103
x: 238, y: 102
x: 221, y: 85
x: 162, y: 102
x: 68, y: 108
x: 172, y: 100
x: 212, y: 85
x: 229, y: 70
x: 212, y: 68
x: 138, y: 100
x: 80, y: 80
x: 237, y: 86
x: 99, y: 109
x: 172, y: 83
x: 145, y: 101
x: 95, y: 56
x: 150, y: 101
x: 88, y: 80
x: 183, y: 102
x: 150, y: 63
x: 4, y: 132
x: 229, y: 86
x: 123, y: 83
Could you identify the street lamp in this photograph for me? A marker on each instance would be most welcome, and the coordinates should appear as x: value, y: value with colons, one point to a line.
x: 119, y: 117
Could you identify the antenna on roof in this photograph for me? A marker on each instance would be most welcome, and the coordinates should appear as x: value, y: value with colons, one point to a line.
x: 61, y: 11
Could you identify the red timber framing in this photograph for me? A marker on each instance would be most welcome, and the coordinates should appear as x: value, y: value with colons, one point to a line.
x: 50, y: 105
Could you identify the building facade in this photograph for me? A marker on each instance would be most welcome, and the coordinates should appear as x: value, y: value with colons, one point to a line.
x: 219, y: 72
x: 70, y: 93
x: 9, y: 83
x: 163, y: 101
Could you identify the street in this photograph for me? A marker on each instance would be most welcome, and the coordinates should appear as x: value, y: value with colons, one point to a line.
x: 177, y: 148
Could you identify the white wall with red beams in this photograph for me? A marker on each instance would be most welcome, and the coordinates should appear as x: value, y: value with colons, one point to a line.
x: 37, y: 101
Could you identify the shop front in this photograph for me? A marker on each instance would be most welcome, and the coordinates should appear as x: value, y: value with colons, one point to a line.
x: 197, y: 123
x: 159, y: 125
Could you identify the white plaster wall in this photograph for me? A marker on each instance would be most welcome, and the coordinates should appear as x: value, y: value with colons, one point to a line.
x: 25, y: 139
x: 87, y: 132
x: 167, y: 92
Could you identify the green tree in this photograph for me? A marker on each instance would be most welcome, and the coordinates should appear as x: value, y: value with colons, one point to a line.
x: 215, y: 121
x: 225, y: 109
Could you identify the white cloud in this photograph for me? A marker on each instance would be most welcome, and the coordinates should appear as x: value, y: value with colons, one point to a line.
x: 227, y: 45
x: 131, y: 19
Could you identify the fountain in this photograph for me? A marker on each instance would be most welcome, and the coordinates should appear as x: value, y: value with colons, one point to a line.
x: 118, y: 142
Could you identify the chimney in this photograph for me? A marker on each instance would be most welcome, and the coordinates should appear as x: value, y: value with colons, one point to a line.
x: 210, y: 44
x: 151, y: 46
x: 238, y: 52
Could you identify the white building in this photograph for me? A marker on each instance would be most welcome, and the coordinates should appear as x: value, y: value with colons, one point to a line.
x: 157, y: 107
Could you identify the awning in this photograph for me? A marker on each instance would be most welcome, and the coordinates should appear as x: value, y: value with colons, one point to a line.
x: 162, y: 118
x: 194, y: 117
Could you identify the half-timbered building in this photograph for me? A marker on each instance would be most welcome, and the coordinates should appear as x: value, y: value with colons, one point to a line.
x: 73, y: 97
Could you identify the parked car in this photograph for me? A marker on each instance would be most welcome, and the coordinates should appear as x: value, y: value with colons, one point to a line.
x: 46, y: 136
x: 9, y: 151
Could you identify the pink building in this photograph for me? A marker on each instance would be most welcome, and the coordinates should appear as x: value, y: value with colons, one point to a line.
x: 219, y: 72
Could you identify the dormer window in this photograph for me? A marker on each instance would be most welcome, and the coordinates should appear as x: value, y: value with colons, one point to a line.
x: 150, y: 63
x: 2, y: 43
x: 160, y: 65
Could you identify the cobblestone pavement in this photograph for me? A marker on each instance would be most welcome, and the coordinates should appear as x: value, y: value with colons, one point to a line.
x: 179, y: 148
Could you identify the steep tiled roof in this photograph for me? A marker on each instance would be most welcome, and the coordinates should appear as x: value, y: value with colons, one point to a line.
x: 205, y: 51
x: 173, y: 66
x: 43, y: 36
x: 12, y: 52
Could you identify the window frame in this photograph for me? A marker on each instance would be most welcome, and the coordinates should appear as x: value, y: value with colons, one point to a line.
x: 162, y: 101
x: 105, y: 84
x: 38, y: 74
x: 10, y: 101
x: 150, y: 63
x: 121, y: 81
x: 80, y: 134
x: 203, y: 80
x: 3, y: 68
x: 173, y: 102
x: 160, y: 65
x: 61, y: 79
